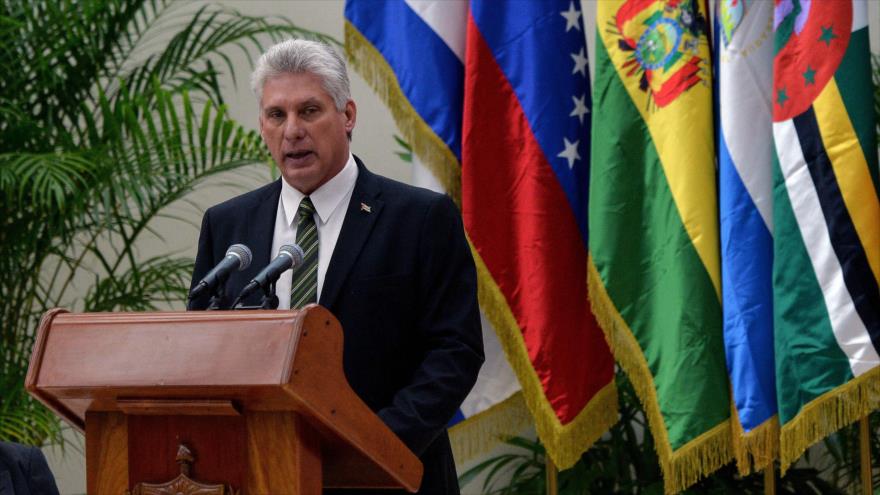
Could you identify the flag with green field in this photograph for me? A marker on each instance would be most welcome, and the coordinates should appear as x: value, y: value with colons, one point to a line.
x: 655, y: 269
x: 827, y: 222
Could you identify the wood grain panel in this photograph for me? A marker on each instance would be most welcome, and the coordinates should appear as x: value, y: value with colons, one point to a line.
x: 280, y: 445
x: 367, y: 440
x: 106, y: 453
x: 218, y: 443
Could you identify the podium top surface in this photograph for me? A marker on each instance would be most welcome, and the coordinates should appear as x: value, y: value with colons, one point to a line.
x: 85, y: 353
x: 95, y: 361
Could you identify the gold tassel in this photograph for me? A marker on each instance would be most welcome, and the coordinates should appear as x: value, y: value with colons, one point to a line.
x: 699, y: 457
x: 756, y: 450
x: 564, y: 443
x: 368, y: 62
x: 482, y: 432
x: 828, y: 413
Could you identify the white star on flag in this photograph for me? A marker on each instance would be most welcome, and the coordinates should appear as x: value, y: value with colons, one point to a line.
x: 570, y: 152
x: 580, y: 62
x: 580, y: 108
x: 571, y: 18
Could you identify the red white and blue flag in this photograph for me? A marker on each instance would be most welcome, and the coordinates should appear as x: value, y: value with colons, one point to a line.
x: 494, y: 97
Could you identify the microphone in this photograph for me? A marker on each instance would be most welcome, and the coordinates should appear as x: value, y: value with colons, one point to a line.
x: 289, y: 256
x: 238, y: 257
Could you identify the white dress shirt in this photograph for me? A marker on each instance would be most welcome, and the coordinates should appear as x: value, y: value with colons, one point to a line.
x: 331, y: 202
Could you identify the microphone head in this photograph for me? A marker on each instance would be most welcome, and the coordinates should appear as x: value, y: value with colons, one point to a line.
x: 295, y: 252
x: 243, y: 253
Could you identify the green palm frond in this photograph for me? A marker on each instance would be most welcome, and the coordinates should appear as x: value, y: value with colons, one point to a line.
x: 201, y: 43
x: 23, y: 420
x: 155, y: 164
x: 56, y: 58
x: 44, y: 181
x: 150, y: 285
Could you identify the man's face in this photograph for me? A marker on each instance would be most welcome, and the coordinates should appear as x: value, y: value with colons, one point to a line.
x: 306, y: 134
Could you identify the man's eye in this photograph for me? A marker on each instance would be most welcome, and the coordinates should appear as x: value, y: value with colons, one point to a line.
x: 310, y: 111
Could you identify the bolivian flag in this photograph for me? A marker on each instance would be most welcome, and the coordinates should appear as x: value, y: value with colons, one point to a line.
x: 827, y: 220
x: 655, y: 276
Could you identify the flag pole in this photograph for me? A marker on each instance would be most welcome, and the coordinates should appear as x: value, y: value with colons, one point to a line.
x: 552, y: 489
x: 865, y: 448
x: 770, y: 480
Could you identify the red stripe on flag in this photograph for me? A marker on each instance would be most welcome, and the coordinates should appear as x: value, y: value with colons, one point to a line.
x: 520, y: 222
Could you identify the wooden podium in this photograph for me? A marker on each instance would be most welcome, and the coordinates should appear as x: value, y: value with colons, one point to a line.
x: 214, y: 403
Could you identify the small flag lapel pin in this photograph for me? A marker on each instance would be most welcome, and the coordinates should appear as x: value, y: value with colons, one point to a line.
x: 365, y: 207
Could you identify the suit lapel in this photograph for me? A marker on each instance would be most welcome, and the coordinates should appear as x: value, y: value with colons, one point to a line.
x: 360, y: 217
x: 261, y: 228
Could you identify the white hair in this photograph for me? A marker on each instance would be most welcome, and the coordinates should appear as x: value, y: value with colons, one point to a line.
x: 298, y: 56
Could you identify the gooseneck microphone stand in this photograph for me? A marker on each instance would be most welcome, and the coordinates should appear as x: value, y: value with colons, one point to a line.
x: 269, y: 300
x: 215, y: 303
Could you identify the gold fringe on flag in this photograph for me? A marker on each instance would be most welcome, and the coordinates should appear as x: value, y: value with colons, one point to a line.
x: 692, y: 461
x: 756, y: 450
x: 480, y: 433
x: 370, y: 64
x: 564, y: 443
x: 828, y: 413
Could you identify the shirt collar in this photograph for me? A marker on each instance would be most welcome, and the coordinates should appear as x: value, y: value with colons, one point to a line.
x: 327, y: 198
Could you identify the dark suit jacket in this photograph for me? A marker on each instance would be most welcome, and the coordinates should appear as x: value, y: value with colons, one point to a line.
x: 23, y: 471
x: 402, y: 283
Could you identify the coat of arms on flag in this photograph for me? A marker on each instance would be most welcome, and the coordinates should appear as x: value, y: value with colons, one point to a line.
x: 663, y: 41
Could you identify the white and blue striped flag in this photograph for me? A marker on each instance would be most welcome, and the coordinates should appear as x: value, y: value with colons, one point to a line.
x: 745, y: 154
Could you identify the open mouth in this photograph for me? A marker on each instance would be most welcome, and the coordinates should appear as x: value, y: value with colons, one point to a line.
x: 297, y: 155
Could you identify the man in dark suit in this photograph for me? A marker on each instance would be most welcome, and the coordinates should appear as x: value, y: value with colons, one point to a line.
x: 23, y: 471
x: 389, y: 260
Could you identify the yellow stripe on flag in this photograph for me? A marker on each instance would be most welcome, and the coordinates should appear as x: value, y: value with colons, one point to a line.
x: 682, y: 133
x: 851, y: 170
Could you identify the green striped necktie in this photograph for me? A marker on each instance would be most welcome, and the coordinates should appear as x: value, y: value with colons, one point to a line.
x: 304, y: 287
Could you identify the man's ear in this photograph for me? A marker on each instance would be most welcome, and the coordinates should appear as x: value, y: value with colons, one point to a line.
x: 350, y: 116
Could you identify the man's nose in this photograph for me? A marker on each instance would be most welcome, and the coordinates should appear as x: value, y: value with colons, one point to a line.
x: 293, y: 128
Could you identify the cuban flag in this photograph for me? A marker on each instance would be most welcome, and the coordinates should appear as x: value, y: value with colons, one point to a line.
x: 494, y: 98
